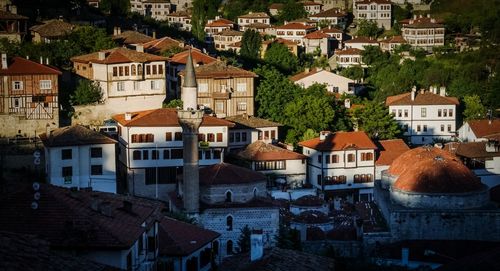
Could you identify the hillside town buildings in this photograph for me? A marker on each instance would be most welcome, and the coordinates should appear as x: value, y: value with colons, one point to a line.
x: 423, y: 32
x: 379, y: 11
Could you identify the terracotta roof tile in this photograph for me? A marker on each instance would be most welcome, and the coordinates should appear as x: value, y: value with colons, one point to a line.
x: 53, y: 28
x: 164, y: 117
x: 426, y: 98
x: 304, y: 74
x: 309, y: 200
x: 331, y: 30
x: 223, y: 173
x: 423, y: 22
x: 229, y: 32
x: 333, y: 12
x: 118, y: 55
x: 73, y: 136
x: 246, y: 121
x: 276, y: 6
x: 348, y: 51
x: 258, y: 26
x: 220, y: 69
x: 198, y: 57
x: 402, y: 162
x: 132, y: 37
x: 315, y: 234
x: 361, y: 39
x: 219, y: 23
x: 180, y: 13
x: 373, y: 1
x: 161, y: 45
x: 482, y: 128
x: 472, y: 149
x: 296, y: 26
x: 255, y: 15
x: 340, y: 141
x: 394, y: 39
x: 312, y: 217
x: 342, y: 233
x: 389, y: 150
x: 311, y: 3
x: 316, y: 35
x: 260, y: 151
x: 19, y: 65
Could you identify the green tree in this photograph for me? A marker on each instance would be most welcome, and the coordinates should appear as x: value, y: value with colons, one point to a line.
x: 244, y: 240
x: 115, y: 7
x: 288, y: 238
x: 368, y: 29
x: 88, y: 39
x: 202, y: 10
x: 175, y: 103
x: 309, y: 134
x: 375, y: 120
x: 87, y: 92
x: 250, y: 45
x: 474, y: 109
x: 280, y: 57
x: 373, y: 54
x: 354, y: 72
x: 292, y: 10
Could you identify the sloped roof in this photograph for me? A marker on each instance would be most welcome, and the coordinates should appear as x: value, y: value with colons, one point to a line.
x: 260, y: 151
x: 219, y: 22
x: 79, y: 219
x: 389, y: 150
x: 348, y: 51
x: 162, y: 44
x: 223, y: 173
x: 220, y: 69
x: 295, y: 26
x: 229, y: 32
x: 423, y: 22
x: 164, y: 117
x: 471, y: 149
x: 132, y: 37
x: 333, y: 12
x: 318, y: 34
x: 312, y: 217
x: 198, y: 57
x: 332, y: 30
x: 19, y: 65
x: 281, y: 41
x: 394, y: 39
x: 361, y: 39
x: 53, y: 28
x: 179, y: 238
x: 258, y: 26
x: 276, y: 6
x: 312, y: 71
x: 255, y: 15
x: 482, y: 128
x: 118, y: 55
x: 73, y: 136
x: 373, y: 1
x: 426, y: 98
x: 5, y: 15
x: 246, y: 121
x: 340, y: 141
x: 180, y: 13
x: 311, y: 3
x: 309, y: 200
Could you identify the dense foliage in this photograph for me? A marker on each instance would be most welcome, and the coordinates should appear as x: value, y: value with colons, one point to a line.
x: 250, y: 45
x: 87, y: 92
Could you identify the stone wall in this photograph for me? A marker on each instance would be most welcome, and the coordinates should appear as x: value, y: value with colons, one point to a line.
x: 240, y: 193
x: 136, y: 185
x: 333, y: 248
x: 12, y: 125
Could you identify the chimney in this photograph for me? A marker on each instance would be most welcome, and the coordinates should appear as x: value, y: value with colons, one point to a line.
x: 106, y: 209
x: 413, y: 93
x: 4, y: 61
x: 128, y: 116
x: 415, y: 16
x: 217, y: 17
x: 405, y: 255
x: 256, y: 245
x: 442, y: 91
x: 154, y: 34
x: 27, y: 57
x: 101, y: 55
x: 46, y: 61
x: 347, y: 103
x: 421, y: 16
x: 13, y: 9
x: 433, y: 20
x: 323, y: 135
x: 139, y: 48
x: 95, y: 202
x: 41, y: 60
x: 117, y: 30
x: 428, y: 15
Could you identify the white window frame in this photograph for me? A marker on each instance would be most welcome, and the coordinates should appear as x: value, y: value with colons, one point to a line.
x: 203, y: 87
x: 137, y: 85
x: 19, y: 87
x: 241, y: 106
x: 155, y: 84
x: 45, y: 84
x: 120, y: 86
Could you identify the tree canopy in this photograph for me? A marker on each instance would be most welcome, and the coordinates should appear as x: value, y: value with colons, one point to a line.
x: 292, y: 10
x: 474, y: 109
x: 250, y: 45
x: 375, y: 120
x: 280, y: 57
x: 87, y: 92
x: 368, y: 29
x: 244, y: 240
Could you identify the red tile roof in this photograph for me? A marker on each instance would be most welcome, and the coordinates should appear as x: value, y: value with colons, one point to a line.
x: 472, y: 149
x: 361, y: 39
x: 219, y: 23
x: 482, y: 128
x: 260, y: 151
x: 296, y: 26
x: 394, y: 39
x: 255, y: 15
x: 348, y: 51
x: 178, y: 238
x: 312, y: 217
x: 333, y: 12
x: 316, y: 35
x: 118, y: 55
x: 331, y: 30
x: 73, y: 136
x: 223, y: 173
x: 77, y: 219
x: 402, y: 162
x: 164, y: 117
x: 426, y: 98
x: 220, y: 69
x: 160, y: 45
x: 423, y: 22
x: 390, y: 150
x: 304, y: 74
x: 229, y: 32
x: 53, y: 28
x: 18, y: 65
x: 132, y: 37
x: 340, y: 141
x: 198, y: 57
x: 245, y: 122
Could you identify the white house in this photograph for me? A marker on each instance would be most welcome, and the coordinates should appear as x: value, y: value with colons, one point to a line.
x: 151, y: 149
x: 254, y: 17
x: 249, y: 129
x: 338, y: 35
x: 425, y: 116
x: 423, y: 32
x: 215, y: 26
x: 224, y: 38
x: 348, y: 58
x: 389, y: 44
x: 180, y: 19
x: 341, y: 164
x: 378, y: 11
x: 294, y: 32
x: 283, y: 167
x: 478, y: 130
x: 312, y: 7
x: 318, y: 40
x: 333, y: 17
x: 334, y: 83
x: 157, y: 9
x: 360, y: 43
x: 76, y: 156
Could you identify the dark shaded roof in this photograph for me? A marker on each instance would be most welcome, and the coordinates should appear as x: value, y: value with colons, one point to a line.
x: 394, y: 39
x: 73, y: 136
x: 278, y: 259
x: 309, y: 200
x: 315, y: 234
x: 19, y: 65
x: 340, y: 141
x: 495, y: 194
x: 164, y: 117
x: 132, y: 37
x: 482, y: 128
x: 28, y: 253
x: 53, y: 28
x: 318, y: 34
x: 260, y: 151
x: 426, y: 98
x: 472, y: 149
x: 229, y: 32
x: 255, y: 15
x: 223, y: 173
x: 179, y: 238
x: 245, y: 121
x: 5, y: 15
x: 333, y: 12
x: 77, y: 219
x: 118, y: 55
x: 276, y: 6
x: 312, y: 217
x: 219, y: 69
x: 342, y: 233
x: 161, y: 45
x: 389, y: 150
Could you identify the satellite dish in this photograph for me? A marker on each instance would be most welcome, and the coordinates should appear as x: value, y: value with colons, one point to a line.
x: 36, y: 196
x: 34, y: 205
x: 36, y: 186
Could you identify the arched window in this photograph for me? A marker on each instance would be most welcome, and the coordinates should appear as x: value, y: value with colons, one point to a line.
x: 139, y: 69
x: 133, y: 69
x: 229, y: 196
x: 255, y: 192
x: 229, y: 247
x: 229, y: 223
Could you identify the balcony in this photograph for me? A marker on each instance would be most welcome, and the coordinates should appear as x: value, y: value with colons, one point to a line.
x: 221, y: 95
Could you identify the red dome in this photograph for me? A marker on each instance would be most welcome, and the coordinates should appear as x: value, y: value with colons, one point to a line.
x: 438, y: 175
x: 409, y: 158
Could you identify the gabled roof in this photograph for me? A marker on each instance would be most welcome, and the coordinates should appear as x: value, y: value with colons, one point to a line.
x: 361, y: 39
x: 164, y: 117
x: 373, y: 1
x: 19, y: 65
x: 318, y: 34
x: 281, y: 41
x: 348, y: 51
x: 5, y: 15
x: 246, y: 121
x: 179, y: 238
x: 333, y: 12
x: 311, y: 3
x: 132, y: 37
x: 260, y: 151
x: 258, y: 26
x: 223, y: 173
x: 331, y: 30
x: 276, y: 6
x: 471, y: 149
x: 198, y: 57
x: 80, y: 219
x: 219, y: 23
x: 422, y: 22
x: 305, y: 74
x: 229, y: 32
x: 180, y: 13
x: 390, y: 150
x: 220, y: 69
x: 74, y: 136
x: 162, y: 44
x: 296, y: 26
x: 426, y: 98
x: 482, y: 128
x: 304, y: 21
x: 255, y: 15
x: 394, y: 39
x: 118, y: 55
x: 340, y: 141
x: 53, y: 28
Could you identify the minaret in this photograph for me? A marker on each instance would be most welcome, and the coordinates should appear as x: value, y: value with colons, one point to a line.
x: 190, y: 118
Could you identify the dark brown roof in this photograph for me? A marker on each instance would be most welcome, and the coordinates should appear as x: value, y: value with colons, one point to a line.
x: 179, y: 238
x: 340, y: 141
x: 53, y: 28
x: 5, y: 15
x: 426, y: 98
x: 118, y: 55
x: 223, y: 173
x: 246, y: 121
x: 73, y: 136
x: 132, y: 37
x: 312, y: 217
x: 296, y: 26
x: 309, y: 200
x: 281, y: 41
x: 28, y: 253
x: 255, y: 15
x: 219, y: 69
x: 276, y: 6
x: 229, y: 32
x: 373, y: 1
x: 278, y: 259
x: 333, y: 12
x: 260, y: 151
x: 77, y: 219
x: 348, y: 51
x: 472, y: 149
x: 423, y: 22
x: 389, y: 150
x: 258, y: 26
x: 317, y: 35
x: 164, y: 117
x: 482, y: 128
x: 394, y: 39
x: 305, y: 74
x: 19, y: 65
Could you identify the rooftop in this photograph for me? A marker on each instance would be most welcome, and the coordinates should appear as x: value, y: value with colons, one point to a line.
x: 318, y: 34
x: 340, y: 141
x: 390, y: 150
x: 426, y: 98
x: 394, y: 39
x: 18, y: 65
x: 198, y: 57
x: 260, y: 151
x: 403, y: 161
x: 422, y: 22
x: 296, y: 26
x: 73, y: 136
x: 373, y: 1
x: 132, y: 37
x: 245, y: 122
x: 219, y: 69
x: 53, y: 28
x: 5, y: 15
x: 255, y: 15
x: 118, y: 55
x: 348, y: 51
x: 333, y: 12
x: 484, y: 127
x: 224, y: 173
x: 309, y: 200
x: 229, y: 32
x: 361, y: 39
x: 162, y: 44
x: 472, y: 149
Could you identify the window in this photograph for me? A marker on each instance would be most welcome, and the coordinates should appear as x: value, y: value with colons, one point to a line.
x: 418, y: 128
x: 241, y: 87
x: 139, y: 69
x: 425, y: 128
x: 155, y: 84
x: 16, y: 103
x: 160, y: 175
x: 178, y: 136
x: 201, y: 137
x: 96, y: 170
x: 439, y: 113
x: 445, y: 113
x: 400, y: 113
x: 450, y: 112
x: 140, y: 138
x: 350, y: 157
x: 136, y: 155
x: 96, y: 152
x: 120, y: 86
x: 442, y: 127
x: 132, y: 68
x: 166, y: 154
x: 320, y: 157
x: 241, y: 106
x: 270, y: 165
x: 168, y: 136
x: 244, y: 137
x: 160, y: 69
x: 327, y: 159
x: 67, y: 173
x: 120, y: 69
x: 115, y: 71
x: 148, y: 69
x: 176, y: 153
x: 210, y: 137
x: 45, y: 84
x: 229, y: 222
x: 238, y: 137
x: 66, y: 154
x: 155, y: 155
x: 406, y: 113
x: 208, y: 155
x: 203, y: 87
x: 154, y: 69
x: 219, y: 137
x: 217, y: 154
x: 449, y: 127
x: 231, y: 137
x: 335, y: 159
x: 229, y: 247
x: 145, y: 155
x: 423, y: 112
x: 17, y: 85
x: 366, y: 156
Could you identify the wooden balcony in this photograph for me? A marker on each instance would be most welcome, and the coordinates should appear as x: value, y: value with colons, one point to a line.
x: 221, y: 95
